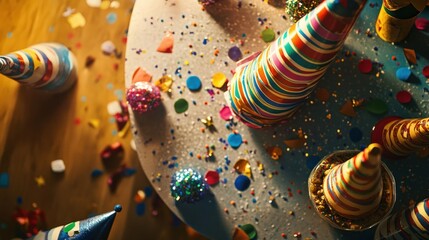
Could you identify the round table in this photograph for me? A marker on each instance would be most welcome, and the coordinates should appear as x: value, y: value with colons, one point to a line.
x: 168, y: 141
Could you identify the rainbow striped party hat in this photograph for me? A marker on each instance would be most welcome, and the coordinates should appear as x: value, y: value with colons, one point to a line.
x: 46, y: 66
x: 270, y: 86
x: 412, y: 223
x: 97, y: 227
x: 353, y: 189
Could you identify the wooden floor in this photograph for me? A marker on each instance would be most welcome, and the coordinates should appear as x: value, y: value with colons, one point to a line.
x: 36, y: 128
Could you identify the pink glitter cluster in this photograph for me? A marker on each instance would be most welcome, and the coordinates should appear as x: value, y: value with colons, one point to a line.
x: 143, y: 97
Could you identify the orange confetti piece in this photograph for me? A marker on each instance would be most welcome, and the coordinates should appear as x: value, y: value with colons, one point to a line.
x: 242, y: 166
x: 275, y: 152
x: 140, y: 75
x: 322, y: 94
x: 166, y: 45
x: 295, y: 143
x: 347, y: 109
x: 239, y: 234
x: 410, y: 54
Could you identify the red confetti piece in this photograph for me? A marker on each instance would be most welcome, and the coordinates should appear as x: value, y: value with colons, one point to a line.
x: 425, y: 71
x: 140, y: 75
x: 422, y: 23
x: 211, y: 177
x: 403, y: 97
x: 77, y: 121
x: 365, y: 66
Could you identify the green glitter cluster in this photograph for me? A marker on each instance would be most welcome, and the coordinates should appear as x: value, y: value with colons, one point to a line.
x: 297, y: 9
x: 187, y: 185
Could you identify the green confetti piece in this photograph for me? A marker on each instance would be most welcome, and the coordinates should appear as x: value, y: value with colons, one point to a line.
x: 250, y: 230
x: 376, y: 106
x: 181, y: 105
x: 268, y: 35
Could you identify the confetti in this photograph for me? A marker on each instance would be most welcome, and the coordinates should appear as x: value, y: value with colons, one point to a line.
x: 111, y: 18
x: 225, y: 113
x: 410, y: 55
x: 141, y: 75
x: 268, y: 35
x: 164, y: 83
x: 94, y: 123
x: 166, y: 45
x: 347, y: 109
x: 403, y: 73
x: 218, y: 80
x: 89, y: 61
x: 295, y: 143
x: 4, y: 180
x: 40, y: 181
x: 239, y: 234
x: 114, y: 108
x: 242, y: 182
x: 425, y: 71
x: 96, y: 173
x: 58, y: 166
x: 140, y: 209
x: 140, y: 196
x: 322, y: 94
x: 355, y: 134
x: 404, y: 97
x: 422, y: 24
x: 234, y: 53
x: 76, y: 20
x: 112, y: 153
x: 297, y: 9
x: 181, y: 105
x: 275, y: 152
x: 105, y: 4
x: 365, y: 66
x: 108, y: 47
x: 376, y: 106
x: 242, y: 166
x: 211, y: 177
x: 93, y: 3
x: 235, y: 140
x: 187, y: 185
x: 193, y: 83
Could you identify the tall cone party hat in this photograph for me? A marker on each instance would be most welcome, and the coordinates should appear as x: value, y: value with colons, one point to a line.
x: 353, y: 189
x: 97, y: 227
x: 269, y: 87
x: 46, y: 66
x: 412, y: 223
x: 401, y: 137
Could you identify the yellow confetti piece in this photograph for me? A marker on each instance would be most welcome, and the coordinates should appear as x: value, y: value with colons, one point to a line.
x: 124, y: 130
x: 105, y: 5
x: 186, y: 62
x: 164, y: 83
x: 76, y: 20
x: 94, y: 123
x: 40, y: 181
x: 242, y: 166
x: 218, y: 80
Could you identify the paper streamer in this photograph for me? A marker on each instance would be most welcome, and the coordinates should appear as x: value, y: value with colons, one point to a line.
x: 270, y: 87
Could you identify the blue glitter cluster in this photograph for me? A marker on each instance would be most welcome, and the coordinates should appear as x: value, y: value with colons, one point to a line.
x: 187, y: 185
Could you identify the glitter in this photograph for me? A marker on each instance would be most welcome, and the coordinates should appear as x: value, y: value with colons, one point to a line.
x: 187, y: 185
x: 143, y: 97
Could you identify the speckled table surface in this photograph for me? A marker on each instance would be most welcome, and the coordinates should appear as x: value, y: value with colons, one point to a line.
x: 167, y: 141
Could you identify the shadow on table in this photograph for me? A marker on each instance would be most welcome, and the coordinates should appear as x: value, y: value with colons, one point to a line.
x: 150, y: 126
x: 206, y: 217
x: 340, y: 234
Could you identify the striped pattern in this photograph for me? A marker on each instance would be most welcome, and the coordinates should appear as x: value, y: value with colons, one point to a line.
x: 354, y: 188
x: 272, y: 86
x: 404, y: 137
x: 409, y: 224
x: 45, y: 66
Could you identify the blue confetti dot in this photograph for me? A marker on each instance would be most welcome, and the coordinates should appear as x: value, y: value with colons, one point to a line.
x: 111, y: 18
x: 235, y: 53
x: 242, y: 182
x: 19, y: 200
x: 96, y: 173
x: 140, y: 209
x: 193, y: 83
x: 119, y: 94
x: 355, y: 134
x: 403, y: 73
x: 312, y: 161
x: 129, y: 172
x: 235, y: 140
x: 148, y: 191
x: 4, y: 180
x: 9, y: 35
